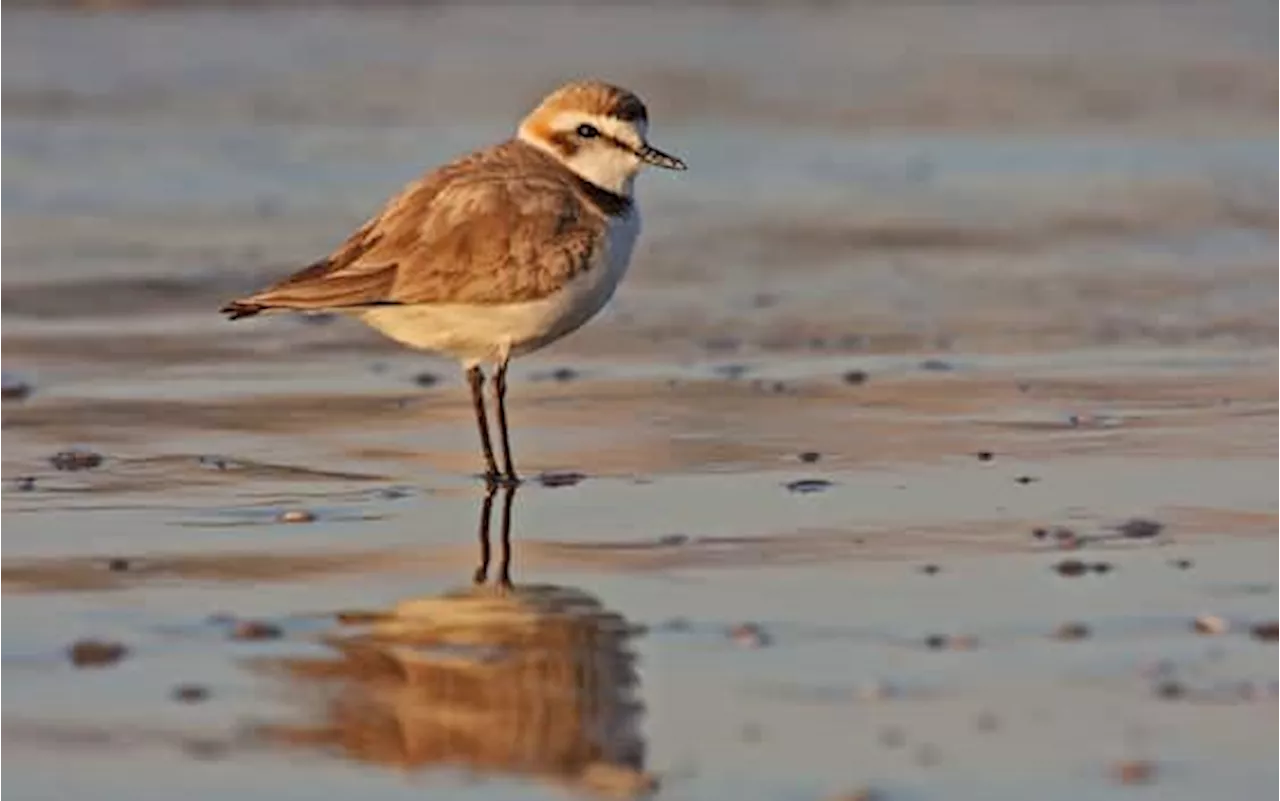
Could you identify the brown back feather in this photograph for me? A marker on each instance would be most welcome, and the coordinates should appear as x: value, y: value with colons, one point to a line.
x: 470, y: 232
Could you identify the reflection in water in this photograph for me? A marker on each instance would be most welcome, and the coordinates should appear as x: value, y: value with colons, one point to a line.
x: 532, y: 680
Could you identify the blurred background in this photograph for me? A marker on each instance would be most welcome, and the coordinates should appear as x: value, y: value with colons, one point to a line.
x: 865, y: 175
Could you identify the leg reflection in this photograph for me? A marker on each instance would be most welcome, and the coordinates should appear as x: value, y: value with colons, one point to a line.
x: 486, y: 517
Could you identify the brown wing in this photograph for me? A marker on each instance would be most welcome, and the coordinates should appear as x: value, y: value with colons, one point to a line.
x: 500, y: 226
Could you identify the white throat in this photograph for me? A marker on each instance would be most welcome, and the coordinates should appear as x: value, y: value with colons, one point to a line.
x: 611, y: 168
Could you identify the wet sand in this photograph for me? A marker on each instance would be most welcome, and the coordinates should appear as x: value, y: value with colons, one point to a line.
x: 851, y: 490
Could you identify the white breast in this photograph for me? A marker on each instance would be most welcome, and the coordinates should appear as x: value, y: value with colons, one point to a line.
x: 491, y: 332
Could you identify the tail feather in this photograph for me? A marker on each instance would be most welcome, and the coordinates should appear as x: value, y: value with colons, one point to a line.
x: 237, y: 309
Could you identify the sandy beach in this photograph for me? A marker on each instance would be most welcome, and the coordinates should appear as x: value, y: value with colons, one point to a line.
x: 928, y: 450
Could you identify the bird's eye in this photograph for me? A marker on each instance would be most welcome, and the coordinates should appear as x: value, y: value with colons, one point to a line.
x: 588, y: 131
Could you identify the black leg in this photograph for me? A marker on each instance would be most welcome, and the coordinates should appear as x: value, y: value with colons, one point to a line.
x: 500, y: 393
x: 486, y: 513
x: 504, y: 567
x: 475, y: 378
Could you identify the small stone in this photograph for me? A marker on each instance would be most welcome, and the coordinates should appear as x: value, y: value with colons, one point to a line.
x: 749, y: 635
x: 24, y: 483
x: 13, y: 387
x: 189, y: 693
x: 937, y: 366
x: 805, y: 486
x: 1026, y: 479
x: 95, y: 653
x: 255, y: 630
x: 1210, y: 624
x: 566, y: 478
x: 1171, y: 690
x: 426, y: 379
x: 75, y: 459
x: 930, y: 570
x: 985, y: 456
x: 731, y: 371
x: 855, y: 377
x: 809, y: 457
x: 1133, y: 771
x: 1071, y: 568
x: 1181, y: 564
x: 1071, y: 631
x: 296, y: 516
x: 564, y: 374
x: 1138, y: 528
x: 118, y: 565
x: 1265, y: 632
x: 1100, y: 567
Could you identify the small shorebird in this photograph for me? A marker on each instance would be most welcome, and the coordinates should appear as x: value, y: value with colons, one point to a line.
x: 499, y: 252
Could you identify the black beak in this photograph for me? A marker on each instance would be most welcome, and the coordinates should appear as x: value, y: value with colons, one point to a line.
x: 654, y: 156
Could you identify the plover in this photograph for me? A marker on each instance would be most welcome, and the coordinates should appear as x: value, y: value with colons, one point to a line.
x: 497, y: 253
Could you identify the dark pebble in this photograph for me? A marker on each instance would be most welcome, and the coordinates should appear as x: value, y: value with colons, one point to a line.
x: 936, y: 641
x: 1026, y: 479
x: 804, y: 486
x: 14, y: 388
x: 1071, y: 567
x: 1265, y: 632
x: 95, y: 653
x: 1181, y: 564
x: 189, y: 693
x: 561, y: 479
x: 809, y: 457
x: 937, y: 365
x: 1171, y: 690
x: 1138, y: 528
x: 73, y: 460
x: 118, y: 565
x: 24, y: 483
x: 731, y: 371
x: 855, y: 377
x: 930, y: 570
x: 426, y: 379
x: 985, y: 456
x: 358, y: 617
x: 1100, y: 567
x: 563, y: 374
x: 255, y: 630
x: 1071, y: 632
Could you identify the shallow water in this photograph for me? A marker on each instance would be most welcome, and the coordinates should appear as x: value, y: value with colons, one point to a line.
x: 1045, y: 236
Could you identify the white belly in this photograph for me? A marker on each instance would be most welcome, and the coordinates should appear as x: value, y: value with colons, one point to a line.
x: 491, y: 332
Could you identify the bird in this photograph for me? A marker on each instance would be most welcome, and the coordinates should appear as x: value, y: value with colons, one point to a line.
x: 497, y: 253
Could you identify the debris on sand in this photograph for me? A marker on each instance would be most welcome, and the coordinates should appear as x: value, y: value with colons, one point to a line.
x: 855, y: 377
x: 951, y: 642
x: 565, y: 478
x: 749, y: 635
x: 255, y: 630
x: 1134, y: 771
x: 95, y: 653
x: 809, y: 457
x: 1265, y: 632
x: 190, y: 693
x: 13, y: 387
x: 1071, y: 632
x: 1210, y: 624
x: 296, y: 516
x: 805, y: 486
x: 1071, y: 568
x: 426, y: 379
x: 75, y: 459
x: 1139, y: 528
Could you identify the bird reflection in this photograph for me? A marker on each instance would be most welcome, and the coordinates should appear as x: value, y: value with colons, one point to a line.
x: 536, y: 681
